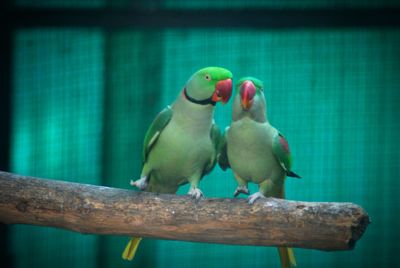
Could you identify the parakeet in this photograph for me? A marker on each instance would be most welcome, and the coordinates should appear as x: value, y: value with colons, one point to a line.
x: 255, y: 150
x: 181, y: 144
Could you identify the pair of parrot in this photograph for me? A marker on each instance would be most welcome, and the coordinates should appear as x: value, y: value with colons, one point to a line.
x: 183, y: 144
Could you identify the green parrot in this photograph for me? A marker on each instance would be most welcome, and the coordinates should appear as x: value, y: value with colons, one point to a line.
x: 255, y: 150
x: 182, y: 143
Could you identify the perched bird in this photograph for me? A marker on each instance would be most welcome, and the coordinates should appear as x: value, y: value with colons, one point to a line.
x: 181, y: 144
x: 255, y: 150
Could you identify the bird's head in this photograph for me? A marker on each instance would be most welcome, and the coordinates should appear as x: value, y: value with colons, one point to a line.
x: 209, y: 85
x: 250, y: 90
x: 249, y: 101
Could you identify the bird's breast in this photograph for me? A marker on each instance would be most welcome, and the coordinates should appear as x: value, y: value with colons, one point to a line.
x: 249, y: 149
x: 180, y: 152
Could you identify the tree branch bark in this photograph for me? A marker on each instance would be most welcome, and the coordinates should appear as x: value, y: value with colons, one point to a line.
x: 102, y: 210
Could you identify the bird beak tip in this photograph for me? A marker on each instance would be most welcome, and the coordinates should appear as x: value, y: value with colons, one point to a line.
x: 223, y: 91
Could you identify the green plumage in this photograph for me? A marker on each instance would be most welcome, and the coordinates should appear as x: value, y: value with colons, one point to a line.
x: 181, y: 144
x: 255, y: 150
x: 155, y: 130
x: 183, y: 150
x: 282, y: 155
x: 216, y: 138
x: 252, y: 147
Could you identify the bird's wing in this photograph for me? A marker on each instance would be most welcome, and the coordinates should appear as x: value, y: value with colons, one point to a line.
x: 215, y: 136
x: 222, y: 156
x: 280, y: 148
x: 154, y: 131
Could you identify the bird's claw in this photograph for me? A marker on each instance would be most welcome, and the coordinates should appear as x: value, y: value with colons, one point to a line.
x: 241, y: 189
x: 252, y: 198
x: 141, y: 184
x: 195, y: 193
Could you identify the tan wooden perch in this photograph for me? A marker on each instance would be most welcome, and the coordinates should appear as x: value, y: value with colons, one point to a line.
x: 102, y: 210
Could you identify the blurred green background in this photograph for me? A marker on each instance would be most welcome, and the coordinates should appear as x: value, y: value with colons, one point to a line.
x: 82, y: 99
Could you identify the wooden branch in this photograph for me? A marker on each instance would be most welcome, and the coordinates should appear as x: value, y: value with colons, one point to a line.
x: 102, y: 210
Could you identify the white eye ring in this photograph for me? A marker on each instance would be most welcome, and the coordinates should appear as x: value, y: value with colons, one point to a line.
x: 208, y: 77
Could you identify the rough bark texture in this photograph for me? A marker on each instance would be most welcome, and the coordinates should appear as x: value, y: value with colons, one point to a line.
x: 102, y: 210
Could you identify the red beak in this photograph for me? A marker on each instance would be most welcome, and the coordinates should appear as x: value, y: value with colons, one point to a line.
x: 247, y: 93
x: 223, y: 91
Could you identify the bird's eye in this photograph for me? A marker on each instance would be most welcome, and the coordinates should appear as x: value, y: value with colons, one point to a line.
x: 207, y: 77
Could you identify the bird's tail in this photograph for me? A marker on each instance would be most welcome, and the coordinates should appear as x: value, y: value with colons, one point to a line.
x: 130, y: 249
x: 287, y: 257
x: 286, y: 254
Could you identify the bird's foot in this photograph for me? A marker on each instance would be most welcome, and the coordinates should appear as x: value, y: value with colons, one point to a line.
x: 141, y: 184
x: 195, y: 193
x: 252, y: 198
x: 241, y: 189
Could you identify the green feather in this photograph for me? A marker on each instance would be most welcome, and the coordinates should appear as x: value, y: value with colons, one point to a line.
x: 257, y: 83
x: 215, y: 136
x: 281, y: 153
x: 154, y: 131
x: 223, y: 160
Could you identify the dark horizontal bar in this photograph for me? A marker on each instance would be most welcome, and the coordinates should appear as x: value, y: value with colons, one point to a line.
x: 231, y: 18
